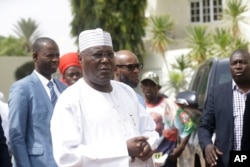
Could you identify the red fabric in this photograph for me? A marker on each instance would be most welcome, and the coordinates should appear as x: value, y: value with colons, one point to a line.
x: 170, y: 134
x: 68, y: 60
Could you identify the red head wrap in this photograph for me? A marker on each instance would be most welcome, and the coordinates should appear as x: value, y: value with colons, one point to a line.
x: 68, y: 60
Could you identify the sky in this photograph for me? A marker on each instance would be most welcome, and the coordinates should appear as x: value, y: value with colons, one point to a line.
x: 52, y: 16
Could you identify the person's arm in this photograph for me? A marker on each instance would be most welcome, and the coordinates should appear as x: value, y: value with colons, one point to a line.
x: 4, y: 154
x: 185, y: 126
x: 179, y: 148
x: 18, y: 115
x: 206, y: 129
x: 207, y: 124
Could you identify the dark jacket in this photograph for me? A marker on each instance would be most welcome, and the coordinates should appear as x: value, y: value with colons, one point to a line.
x: 218, y: 117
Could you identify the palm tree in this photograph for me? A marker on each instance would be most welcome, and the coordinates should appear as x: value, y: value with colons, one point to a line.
x: 161, y: 28
x: 27, y: 31
x: 233, y: 12
x: 177, y: 82
x: 241, y: 43
x: 199, y: 39
x: 178, y: 76
x: 222, y: 42
x: 182, y: 63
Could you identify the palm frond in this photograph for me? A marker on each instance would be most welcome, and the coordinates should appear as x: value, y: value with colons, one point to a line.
x: 233, y: 12
x: 27, y: 31
x: 161, y: 28
x: 199, y: 39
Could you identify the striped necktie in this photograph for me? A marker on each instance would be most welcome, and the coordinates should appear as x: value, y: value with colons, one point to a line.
x: 52, y: 93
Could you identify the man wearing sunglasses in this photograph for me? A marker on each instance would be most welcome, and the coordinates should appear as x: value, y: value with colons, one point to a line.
x: 127, y: 70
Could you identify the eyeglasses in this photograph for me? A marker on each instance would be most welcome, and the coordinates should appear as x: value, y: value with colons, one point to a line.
x: 131, y: 67
x: 100, y: 55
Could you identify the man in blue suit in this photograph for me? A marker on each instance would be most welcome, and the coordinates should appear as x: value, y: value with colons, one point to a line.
x: 224, y: 113
x: 31, y: 104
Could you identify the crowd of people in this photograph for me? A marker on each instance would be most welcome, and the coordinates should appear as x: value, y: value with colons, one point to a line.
x: 94, y: 117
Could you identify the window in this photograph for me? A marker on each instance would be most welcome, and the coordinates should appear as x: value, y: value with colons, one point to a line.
x: 205, y: 10
x: 200, y: 83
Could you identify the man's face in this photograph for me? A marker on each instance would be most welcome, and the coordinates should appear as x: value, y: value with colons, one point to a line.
x: 158, y: 122
x: 47, y: 59
x: 240, y: 67
x: 72, y: 74
x: 128, y: 69
x: 149, y: 89
x: 98, y: 64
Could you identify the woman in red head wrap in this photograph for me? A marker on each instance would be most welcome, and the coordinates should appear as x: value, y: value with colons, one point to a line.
x: 70, y: 68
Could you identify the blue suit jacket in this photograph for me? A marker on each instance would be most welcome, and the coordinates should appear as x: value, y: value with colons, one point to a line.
x: 218, y: 117
x: 30, y: 111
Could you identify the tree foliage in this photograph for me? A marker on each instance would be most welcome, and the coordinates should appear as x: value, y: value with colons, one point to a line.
x: 178, y: 75
x: 12, y: 46
x: 199, y: 39
x: 27, y: 31
x: 161, y: 28
x: 233, y: 14
x: 24, y: 70
x: 220, y: 42
x: 124, y: 20
x: 224, y: 43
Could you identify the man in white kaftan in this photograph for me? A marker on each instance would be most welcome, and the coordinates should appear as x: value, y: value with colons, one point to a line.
x: 91, y: 127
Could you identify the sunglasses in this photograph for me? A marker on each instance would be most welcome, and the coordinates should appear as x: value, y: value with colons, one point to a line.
x: 131, y: 67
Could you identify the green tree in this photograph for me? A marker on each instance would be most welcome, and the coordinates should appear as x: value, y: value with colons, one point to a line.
x: 27, y: 31
x: 233, y: 13
x: 12, y: 46
x: 177, y: 76
x: 176, y: 81
x: 24, y: 70
x: 182, y: 63
x: 241, y: 43
x: 161, y: 28
x: 124, y: 20
x: 199, y: 39
x: 223, y: 43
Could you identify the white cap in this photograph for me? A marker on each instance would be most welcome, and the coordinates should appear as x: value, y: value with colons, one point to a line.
x: 95, y: 37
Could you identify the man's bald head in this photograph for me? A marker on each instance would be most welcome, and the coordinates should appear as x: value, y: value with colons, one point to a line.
x: 40, y: 42
x: 127, y: 68
x: 123, y: 55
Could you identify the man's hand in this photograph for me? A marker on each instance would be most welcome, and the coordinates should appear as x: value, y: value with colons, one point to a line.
x: 147, y: 151
x: 176, y: 153
x: 211, y: 154
x: 139, y: 147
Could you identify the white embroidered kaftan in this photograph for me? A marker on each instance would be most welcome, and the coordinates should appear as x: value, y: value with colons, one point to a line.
x: 90, y: 128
